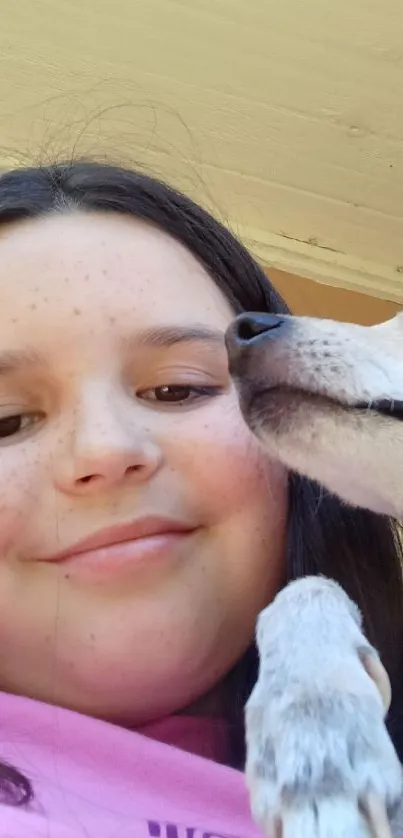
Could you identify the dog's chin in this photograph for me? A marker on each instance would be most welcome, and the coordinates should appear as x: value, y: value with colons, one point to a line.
x: 275, y: 409
x: 330, y: 443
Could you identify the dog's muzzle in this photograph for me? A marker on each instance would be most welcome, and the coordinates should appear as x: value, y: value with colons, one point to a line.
x: 250, y: 329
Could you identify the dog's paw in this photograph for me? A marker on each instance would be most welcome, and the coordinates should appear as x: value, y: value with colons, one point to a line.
x: 320, y: 763
x: 330, y: 771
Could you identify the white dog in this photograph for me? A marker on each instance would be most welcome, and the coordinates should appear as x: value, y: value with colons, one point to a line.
x: 326, y: 399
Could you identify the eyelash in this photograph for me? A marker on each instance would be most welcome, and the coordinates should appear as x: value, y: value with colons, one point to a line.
x: 198, y: 393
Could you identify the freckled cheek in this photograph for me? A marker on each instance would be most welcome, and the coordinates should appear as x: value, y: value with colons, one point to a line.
x: 222, y: 460
x: 21, y: 479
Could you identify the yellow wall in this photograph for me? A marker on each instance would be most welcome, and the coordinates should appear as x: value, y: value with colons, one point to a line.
x: 285, y: 117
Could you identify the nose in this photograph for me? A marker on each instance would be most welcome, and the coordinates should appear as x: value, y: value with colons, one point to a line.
x: 248, y: 329
x: 249, y: 326
x: 105, y: 448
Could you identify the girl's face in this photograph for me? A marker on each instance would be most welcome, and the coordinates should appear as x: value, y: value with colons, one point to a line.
x: 118, y: 420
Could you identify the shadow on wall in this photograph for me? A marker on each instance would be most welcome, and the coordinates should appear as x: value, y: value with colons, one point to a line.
x: 306, y: 297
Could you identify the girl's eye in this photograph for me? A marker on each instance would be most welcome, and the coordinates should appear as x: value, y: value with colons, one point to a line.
x: 12, y: 425
x: 177, y: 393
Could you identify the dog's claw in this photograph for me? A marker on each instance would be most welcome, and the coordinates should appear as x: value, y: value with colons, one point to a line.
x: 375, y: 810
x: 320, y: 763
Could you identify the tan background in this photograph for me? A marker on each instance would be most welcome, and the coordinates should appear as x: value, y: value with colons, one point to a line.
x: 316, y: 300
x: 285, y: 117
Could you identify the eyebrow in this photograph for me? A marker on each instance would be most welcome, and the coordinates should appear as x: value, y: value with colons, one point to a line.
x: 158, y: 337
x: 12, y: 361
x: 162, y: 337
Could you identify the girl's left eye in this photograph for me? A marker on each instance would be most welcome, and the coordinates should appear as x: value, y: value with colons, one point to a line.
x: 178, y: 393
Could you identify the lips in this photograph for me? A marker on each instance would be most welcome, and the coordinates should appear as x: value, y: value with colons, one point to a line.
x: 141, y: 529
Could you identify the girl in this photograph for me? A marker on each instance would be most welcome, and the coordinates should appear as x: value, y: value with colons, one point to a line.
x: 141, y: 527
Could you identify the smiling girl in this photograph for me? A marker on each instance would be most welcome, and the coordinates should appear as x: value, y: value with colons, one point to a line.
x: 142, y: 529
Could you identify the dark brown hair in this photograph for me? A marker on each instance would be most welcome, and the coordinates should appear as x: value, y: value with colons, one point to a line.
x: 358, y: 549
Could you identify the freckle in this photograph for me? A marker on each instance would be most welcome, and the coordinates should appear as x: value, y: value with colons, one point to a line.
x: 86, y: 278
x: 105, y: 272
x: 67, y: 279
x: 112, y: 319
x: 76, y: 311
x: 33, y: 306
x: 67, y: 576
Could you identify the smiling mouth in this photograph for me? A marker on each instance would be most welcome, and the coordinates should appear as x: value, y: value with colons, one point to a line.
x: 139, y: 533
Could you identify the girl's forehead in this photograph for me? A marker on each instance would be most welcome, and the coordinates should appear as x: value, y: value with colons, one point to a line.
x: 103, y: 266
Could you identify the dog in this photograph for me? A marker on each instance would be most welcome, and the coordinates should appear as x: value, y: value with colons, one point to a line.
x: 325, y: 399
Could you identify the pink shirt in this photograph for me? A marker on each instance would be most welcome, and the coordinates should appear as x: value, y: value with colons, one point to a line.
x: 94, y: 780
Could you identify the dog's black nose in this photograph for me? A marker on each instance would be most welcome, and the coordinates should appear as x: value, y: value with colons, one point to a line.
x: 247, y: 327
x: 249, y: 331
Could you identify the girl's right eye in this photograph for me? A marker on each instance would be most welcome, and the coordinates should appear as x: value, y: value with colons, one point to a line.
x: 12, y: 425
